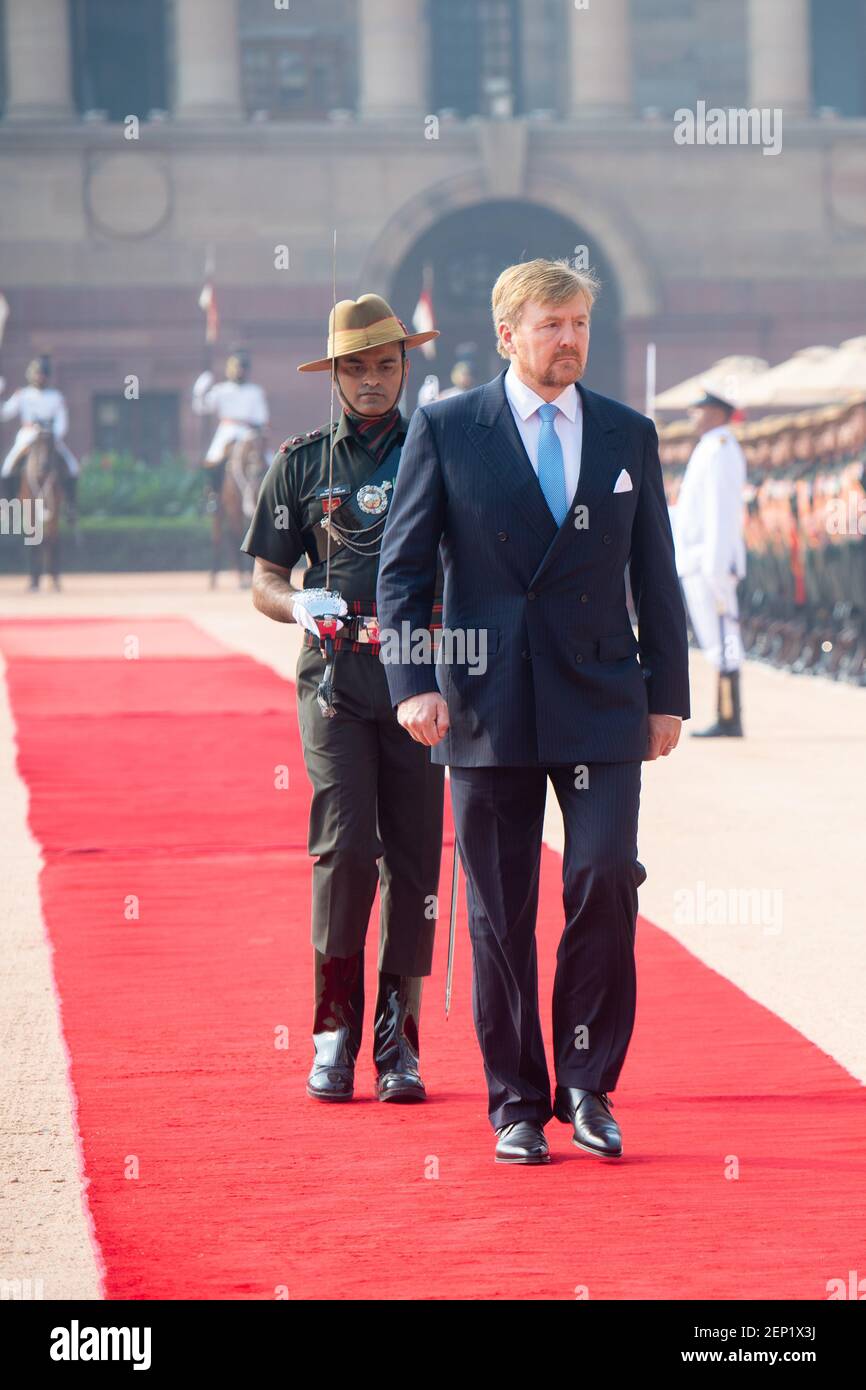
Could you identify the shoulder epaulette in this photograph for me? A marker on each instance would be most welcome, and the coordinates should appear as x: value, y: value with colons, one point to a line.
x: 297, y: 439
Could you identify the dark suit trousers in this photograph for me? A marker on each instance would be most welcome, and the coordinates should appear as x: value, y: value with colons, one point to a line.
x: 498, y: 815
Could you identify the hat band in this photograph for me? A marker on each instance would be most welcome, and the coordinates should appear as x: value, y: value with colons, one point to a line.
x: 347, y: 340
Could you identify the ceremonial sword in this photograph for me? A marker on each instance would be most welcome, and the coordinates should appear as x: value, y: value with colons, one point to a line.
x: 449, y: 971
x: 328, y: 624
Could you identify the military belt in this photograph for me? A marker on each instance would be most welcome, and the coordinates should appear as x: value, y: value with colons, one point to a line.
x: 360, y: 631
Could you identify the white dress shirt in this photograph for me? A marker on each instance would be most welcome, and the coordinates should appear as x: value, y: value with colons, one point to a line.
x: 568, y: 423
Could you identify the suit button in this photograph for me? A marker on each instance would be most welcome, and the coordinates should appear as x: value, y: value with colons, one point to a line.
x: 527, y: 656
x: 502, y: 535
x: 531, y: 594
x: 578, y: 658
x: 605, y: 540
x: 584, y: 598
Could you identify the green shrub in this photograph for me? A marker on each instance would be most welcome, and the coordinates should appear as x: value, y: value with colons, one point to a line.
x: 127, y: 544
x: 121, y: 486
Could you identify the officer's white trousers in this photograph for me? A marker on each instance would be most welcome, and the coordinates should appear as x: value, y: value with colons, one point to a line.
x: 227, y: 433
x: 718, y: 633
x: 24, y: 438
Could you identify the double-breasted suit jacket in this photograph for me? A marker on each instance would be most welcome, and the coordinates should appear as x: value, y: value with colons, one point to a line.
x: 564, y: 679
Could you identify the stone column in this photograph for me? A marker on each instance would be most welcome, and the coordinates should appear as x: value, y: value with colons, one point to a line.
x: 38, y: 60
x: 393, y: 44
x: 780, y: 55
x: 600, y: 73
x: 208, y: 74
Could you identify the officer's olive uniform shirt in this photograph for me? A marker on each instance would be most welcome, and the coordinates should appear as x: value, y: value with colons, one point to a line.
x: 285, y: 524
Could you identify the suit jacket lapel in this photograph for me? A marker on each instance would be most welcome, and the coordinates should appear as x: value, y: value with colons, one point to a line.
x: 601, y: 446
x: 600, y: 451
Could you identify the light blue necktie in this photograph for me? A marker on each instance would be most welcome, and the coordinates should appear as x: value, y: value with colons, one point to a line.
x: 551, y: 466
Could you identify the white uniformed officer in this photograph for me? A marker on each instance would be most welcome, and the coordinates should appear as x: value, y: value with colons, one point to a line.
x: 462, y: 379
x: 38, y: 404
x: 711, y: 554
x: 241, y: 406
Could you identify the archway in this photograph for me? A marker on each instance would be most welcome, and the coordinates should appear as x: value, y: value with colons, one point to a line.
x: 467, y: 249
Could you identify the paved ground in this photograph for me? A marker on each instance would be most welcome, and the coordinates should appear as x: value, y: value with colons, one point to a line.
x: 753, y: 851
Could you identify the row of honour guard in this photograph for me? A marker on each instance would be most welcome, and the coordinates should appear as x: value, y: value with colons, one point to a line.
x: 803, y: 599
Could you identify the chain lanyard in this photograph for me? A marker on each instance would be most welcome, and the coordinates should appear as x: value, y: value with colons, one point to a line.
x: 368, y: 547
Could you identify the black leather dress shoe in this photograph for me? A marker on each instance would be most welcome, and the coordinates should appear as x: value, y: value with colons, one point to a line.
x: 595, y: 1129
x: 521, y: 1142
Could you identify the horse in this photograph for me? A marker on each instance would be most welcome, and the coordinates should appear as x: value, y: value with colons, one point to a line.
x: 41, y: 486
x: 244, y: 471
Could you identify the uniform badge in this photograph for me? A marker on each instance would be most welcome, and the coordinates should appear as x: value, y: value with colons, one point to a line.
x: 331, y: 497
x: 373, y: 498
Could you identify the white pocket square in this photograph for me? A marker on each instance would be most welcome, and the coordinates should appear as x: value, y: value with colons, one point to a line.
x: 623, y: 483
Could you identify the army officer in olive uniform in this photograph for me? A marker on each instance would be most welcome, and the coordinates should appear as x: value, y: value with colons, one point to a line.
x: 376, y: 816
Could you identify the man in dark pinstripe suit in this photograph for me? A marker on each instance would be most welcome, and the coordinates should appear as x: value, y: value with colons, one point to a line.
x: 541, y: 493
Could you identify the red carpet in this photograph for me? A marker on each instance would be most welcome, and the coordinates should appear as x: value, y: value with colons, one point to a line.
x: 155, y: 777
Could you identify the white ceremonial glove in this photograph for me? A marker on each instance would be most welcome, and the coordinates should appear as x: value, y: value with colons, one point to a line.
x: 313, y: 604
x: 202, y: 383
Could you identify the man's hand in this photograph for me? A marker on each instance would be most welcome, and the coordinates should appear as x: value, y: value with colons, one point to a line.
x: 424, y: 717
x: 664, y: 735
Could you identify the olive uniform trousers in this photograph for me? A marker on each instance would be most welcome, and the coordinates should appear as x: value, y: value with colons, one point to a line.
x: 375, y: 819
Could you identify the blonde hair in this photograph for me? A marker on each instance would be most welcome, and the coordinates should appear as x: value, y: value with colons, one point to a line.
x: 540, y: 281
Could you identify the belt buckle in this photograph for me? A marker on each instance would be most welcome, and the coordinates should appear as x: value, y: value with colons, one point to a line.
x: 368, y: 629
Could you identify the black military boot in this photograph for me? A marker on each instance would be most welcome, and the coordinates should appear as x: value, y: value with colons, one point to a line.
x: 70, y: 489
x: 728, y: 718
x: 395, y: 1040
x: 9, y: 486
x: 337, y: 1026
x: 213, y: 485
x: 211, y: 496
